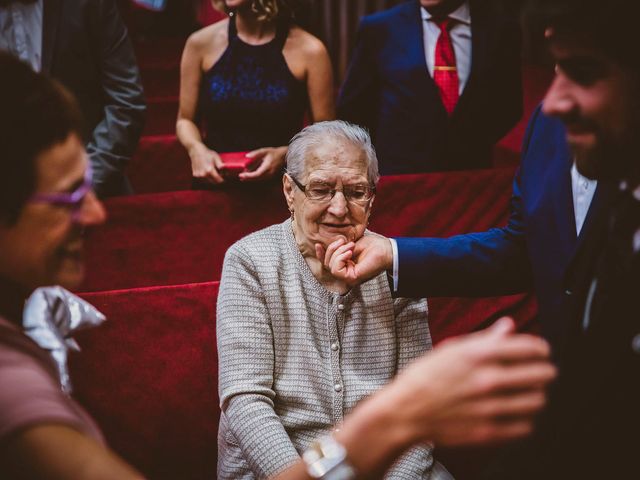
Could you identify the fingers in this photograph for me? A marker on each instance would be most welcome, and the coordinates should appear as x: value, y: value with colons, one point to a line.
x: 257, y: 174
x: 213, y: 175
x: 320, y: 252
x: 503, y: 326
x: 260, y: 152
x: 207, y: 173
x: 331, y: 250
x: 508, y: 407
x: 515, y: 378
x: 338, y: 259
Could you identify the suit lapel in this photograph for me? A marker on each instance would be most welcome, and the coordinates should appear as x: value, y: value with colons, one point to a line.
x: 562, y: 198
x: 596, y: 218
x: 50, y: 22
x: 480, y: 39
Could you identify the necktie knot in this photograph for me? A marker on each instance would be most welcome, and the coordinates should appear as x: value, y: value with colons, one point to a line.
x: 444, y: 24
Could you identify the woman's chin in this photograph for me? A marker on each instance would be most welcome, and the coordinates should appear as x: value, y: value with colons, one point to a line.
x: 329, y: 235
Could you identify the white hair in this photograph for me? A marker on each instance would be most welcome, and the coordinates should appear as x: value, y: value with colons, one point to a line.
x: 331, y: 131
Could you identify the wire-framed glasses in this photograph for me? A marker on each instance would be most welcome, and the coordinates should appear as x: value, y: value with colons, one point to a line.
x: 321, y: 192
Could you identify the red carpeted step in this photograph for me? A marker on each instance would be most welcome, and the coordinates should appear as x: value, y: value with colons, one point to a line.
x: 161, y: 82
x: 174, y: 238
x: 161, y: 117
x: 149, y: 378
x: 442, y: 204
x: 160, y: 164
x: 159, y: 52
x: 181, y: 237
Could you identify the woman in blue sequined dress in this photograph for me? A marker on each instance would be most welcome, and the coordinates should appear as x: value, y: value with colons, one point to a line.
x: 248, y: 81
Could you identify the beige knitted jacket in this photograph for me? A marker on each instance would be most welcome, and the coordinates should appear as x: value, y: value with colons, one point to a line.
x: 295, y: 358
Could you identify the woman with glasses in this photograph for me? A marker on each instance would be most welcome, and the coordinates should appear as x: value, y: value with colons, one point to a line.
x: 298, y: 348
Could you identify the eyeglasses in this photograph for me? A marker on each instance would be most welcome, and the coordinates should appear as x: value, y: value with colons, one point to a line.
x: 74, y: 200
x: 359, y: 193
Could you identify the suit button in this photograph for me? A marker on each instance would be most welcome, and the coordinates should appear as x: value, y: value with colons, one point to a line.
x: 635, y: 344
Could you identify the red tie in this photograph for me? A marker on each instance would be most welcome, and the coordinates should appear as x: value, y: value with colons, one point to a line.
x: 445, y: 73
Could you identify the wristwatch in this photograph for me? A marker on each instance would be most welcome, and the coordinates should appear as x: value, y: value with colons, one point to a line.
x: 327, y: 459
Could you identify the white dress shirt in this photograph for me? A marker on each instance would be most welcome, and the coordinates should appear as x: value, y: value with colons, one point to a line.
x: 460, y: 34
x: 21, y: 32
x: 583, y: 189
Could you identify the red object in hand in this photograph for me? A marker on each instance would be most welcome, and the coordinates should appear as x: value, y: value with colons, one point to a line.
x: 235, y: 163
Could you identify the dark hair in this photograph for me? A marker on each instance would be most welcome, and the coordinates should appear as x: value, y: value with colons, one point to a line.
x: 36, y: 113
x: 609, y: 27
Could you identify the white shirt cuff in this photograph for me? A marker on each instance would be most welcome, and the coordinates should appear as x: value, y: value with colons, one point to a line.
x: 394, y: 274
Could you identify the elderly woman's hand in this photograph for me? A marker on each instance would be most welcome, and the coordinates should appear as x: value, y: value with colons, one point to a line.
x: 270, y: 161
x: 357, y: 262
x: 205, y: 164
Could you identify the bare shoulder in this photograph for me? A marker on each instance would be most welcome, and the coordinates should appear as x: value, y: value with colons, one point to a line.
x: 211, y: 35
x: 305, y: 43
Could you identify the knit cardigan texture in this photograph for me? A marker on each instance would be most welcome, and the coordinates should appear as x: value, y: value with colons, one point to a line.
x: 295, y: 358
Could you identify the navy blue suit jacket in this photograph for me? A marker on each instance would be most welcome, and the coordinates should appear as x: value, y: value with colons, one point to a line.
x: 388, y: 90
x: 590, y: 428
x: 532, y: 252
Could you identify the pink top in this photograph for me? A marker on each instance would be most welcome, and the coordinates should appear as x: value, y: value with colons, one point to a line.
x: 30, y: 391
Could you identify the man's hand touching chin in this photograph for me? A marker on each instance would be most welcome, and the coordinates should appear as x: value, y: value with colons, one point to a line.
x: 356, y: 262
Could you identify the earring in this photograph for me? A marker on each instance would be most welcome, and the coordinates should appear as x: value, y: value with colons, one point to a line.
x: 293, y: 215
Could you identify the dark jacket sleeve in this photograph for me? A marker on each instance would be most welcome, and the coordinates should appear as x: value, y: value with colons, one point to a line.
x: 116, y: 136
x: 358, y: 95
x: 491, y: 263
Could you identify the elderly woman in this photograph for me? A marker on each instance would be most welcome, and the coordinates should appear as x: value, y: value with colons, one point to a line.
x: 298, y: 349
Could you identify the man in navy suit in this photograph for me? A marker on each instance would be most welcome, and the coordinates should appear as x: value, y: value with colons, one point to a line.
x: 398, y: 80
x: 573, y: 236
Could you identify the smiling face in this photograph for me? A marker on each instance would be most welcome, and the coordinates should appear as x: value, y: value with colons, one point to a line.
x: 594, y: 97
x: 335, y: 164
x: 44, y: 246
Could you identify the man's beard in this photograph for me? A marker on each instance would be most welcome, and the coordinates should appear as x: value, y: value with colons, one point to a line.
x: 608, y: 160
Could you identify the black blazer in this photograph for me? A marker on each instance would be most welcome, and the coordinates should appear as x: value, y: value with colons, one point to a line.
x: 86, y: 47
x: 388, y: 90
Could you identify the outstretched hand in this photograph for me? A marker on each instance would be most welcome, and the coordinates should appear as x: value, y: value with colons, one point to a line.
x: 479, y: 388
x: 476, y: 389
x: 356, y: 262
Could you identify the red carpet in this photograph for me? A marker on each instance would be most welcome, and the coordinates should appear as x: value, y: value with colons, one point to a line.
x: 149, y: 378
x: 181, y: 237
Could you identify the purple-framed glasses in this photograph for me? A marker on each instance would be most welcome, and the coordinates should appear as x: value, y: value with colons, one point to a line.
x: 73, y: 200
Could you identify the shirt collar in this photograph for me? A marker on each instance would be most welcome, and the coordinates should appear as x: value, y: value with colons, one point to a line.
x: 462, y: 14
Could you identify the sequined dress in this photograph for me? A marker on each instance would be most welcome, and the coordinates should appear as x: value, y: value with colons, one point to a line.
x: 250, y: 99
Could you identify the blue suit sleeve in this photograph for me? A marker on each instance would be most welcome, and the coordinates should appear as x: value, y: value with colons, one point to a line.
x: 491, y: 263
